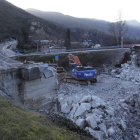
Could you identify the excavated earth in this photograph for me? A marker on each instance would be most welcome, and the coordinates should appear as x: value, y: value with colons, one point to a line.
x: 108, y: 109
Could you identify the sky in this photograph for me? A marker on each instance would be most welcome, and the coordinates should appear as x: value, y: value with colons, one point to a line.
x: 99, y: 9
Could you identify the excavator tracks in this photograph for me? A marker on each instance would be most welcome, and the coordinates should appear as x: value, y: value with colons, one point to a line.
x: 74, y: 81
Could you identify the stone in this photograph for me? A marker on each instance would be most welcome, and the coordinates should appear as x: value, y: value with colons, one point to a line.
x: 98, y: 102
x: 88, y: 114
x: 94, y: 97
x: 76, y: 99
x: 82, y: 108
x: 113, y: 71
x: 60, y: 96
x: 97, y: 111
x: 133, y: 80
x: 70, y: 100
x: 30, y: 73
x: 62, y: 101
x: 65, y: 108
x: 123, y: 125
x: 124, y: 106
x: 80, y: 123
x: 126, y: 65
x: 98, y: 118
x: 47, y: 73
x: 117, y: 76
x: 91, y: 120
x: 122, y: 100
x: 74, y: 108
x: 118, y: 71
x: 111, y: 131
x: 96, y: 134
x: 102, y: 127
x: 86, y: 99
x: 109, y: 112
x: 122, y: 65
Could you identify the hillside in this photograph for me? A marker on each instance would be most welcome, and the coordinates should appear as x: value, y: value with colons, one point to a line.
x: 68, y: 21
x: 79, y: 26
x: 20, y: 123
x: 15, y: 22
x: 84, y: 23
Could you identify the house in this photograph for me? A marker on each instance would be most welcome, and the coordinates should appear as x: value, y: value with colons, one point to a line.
x: 42, y: 45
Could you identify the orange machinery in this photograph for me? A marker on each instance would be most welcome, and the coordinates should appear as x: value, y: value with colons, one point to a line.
x: 74, y: 59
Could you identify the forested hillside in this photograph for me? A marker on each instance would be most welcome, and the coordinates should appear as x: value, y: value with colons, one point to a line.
x: 15, y: 22
x: 85, y: 23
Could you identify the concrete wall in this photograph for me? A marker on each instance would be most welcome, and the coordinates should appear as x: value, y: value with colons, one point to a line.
x: 33, y: 92
x: 94, y: 58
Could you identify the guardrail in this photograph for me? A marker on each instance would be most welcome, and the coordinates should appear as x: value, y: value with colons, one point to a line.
x: 100, y: 48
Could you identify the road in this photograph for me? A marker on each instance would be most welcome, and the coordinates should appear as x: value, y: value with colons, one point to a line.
x: 6, y: 62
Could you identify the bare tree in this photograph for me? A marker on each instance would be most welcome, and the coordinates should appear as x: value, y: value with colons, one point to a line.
x: 118, y: 29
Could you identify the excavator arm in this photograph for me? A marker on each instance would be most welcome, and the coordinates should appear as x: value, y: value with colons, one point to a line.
x: 74, y: 59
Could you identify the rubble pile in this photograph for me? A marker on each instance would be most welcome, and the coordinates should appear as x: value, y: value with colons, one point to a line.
x: 128, y: 117
x: 128, y: 71
x: 108, y: 109
x: 103, y: 119
x: 88, y: 112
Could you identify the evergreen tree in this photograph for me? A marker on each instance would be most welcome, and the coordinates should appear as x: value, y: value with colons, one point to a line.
x: 67, y: 43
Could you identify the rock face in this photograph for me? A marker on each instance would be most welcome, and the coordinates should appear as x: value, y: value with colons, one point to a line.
x: 31, y: 74
x: 34, y: 85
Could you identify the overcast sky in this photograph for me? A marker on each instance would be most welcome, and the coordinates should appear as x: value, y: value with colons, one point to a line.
x: 98, y: 9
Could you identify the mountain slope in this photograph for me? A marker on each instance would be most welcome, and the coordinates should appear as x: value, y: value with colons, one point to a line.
x: 133, y: 23
x: 84, y: 23
x: 15, y: 22
x: 66, y: 20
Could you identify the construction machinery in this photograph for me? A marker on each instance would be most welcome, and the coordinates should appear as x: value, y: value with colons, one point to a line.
x: 81, y: 74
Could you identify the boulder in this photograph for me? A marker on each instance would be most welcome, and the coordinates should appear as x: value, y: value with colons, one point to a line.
x: 103, y: 128
x: 72, y: 112
x: 111, y: 131
x: 98, y: 102
x: 124, y: 106
x: 109, y: 112
x: 113, y: 71
x: 76, y: 99
x: 31, y: 73
x: 87, y: 115
x: 65, y: 108
x: 98, y: 118
x: 94, y: 97
x: 97, y: 111
x: 122, y: 124
x: 80, y: 123
x: 82, y: 108
x: 117, y: 76
x: 96, y: 134
x: 70, y: 100
x: 91, y: 120
x: 86, y: 99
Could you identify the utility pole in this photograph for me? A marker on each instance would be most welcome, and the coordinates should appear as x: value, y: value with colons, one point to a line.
x: 121, y: 42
